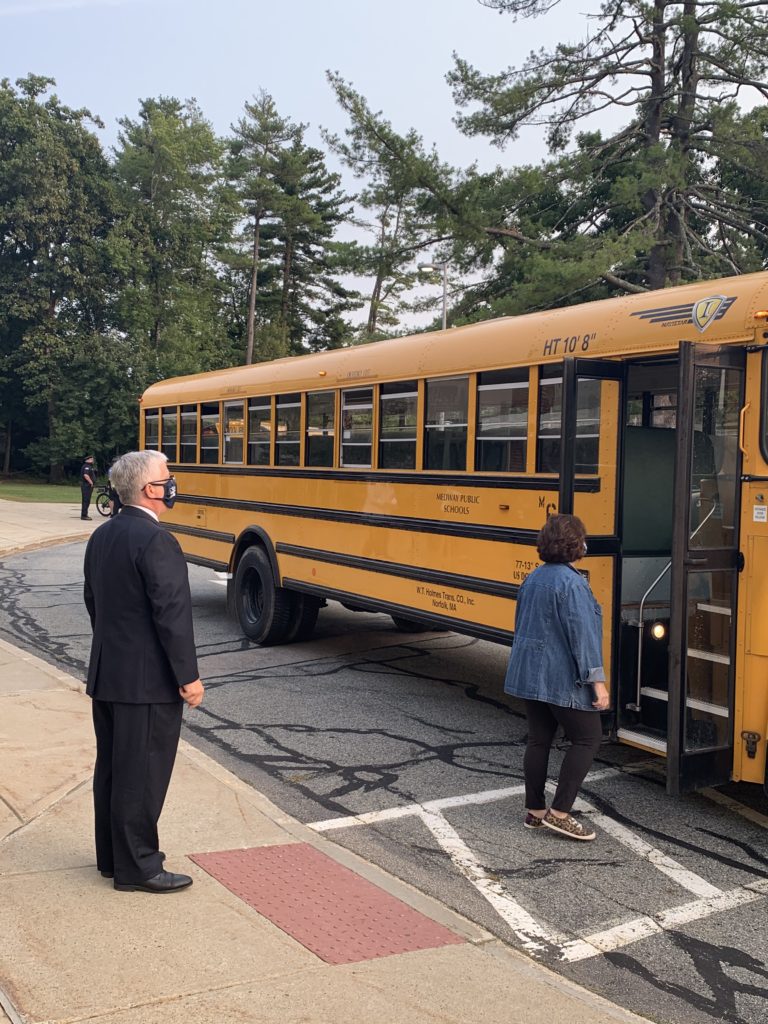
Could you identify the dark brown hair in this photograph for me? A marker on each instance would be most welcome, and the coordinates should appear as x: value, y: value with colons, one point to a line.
x: 561, y: 539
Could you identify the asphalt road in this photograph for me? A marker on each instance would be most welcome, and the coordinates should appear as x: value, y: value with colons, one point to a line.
x: 404, y: 749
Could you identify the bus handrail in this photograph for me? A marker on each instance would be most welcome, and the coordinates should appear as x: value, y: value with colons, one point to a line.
x: 662, y: 574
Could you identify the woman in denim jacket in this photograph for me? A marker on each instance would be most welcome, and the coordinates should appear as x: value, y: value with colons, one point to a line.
x: 556, y: 667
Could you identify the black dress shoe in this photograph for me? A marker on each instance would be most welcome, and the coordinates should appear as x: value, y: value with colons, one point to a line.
x: 163, y: 881
x: 107, y: 874
x: 84, y: 518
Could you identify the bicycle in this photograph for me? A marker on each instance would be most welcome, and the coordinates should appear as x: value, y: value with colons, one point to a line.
x: 102, y: 500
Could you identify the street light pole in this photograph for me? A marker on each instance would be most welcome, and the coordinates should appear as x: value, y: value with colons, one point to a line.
x: 443, y: 266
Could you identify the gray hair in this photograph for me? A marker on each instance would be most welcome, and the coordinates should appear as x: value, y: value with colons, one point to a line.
x: 132, y: 471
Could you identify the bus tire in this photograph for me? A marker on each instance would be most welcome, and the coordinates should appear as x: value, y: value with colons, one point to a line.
x: 263, y: 609
x: 304, y: 611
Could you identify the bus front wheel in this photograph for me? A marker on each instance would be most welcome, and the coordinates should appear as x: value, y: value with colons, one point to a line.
x: 263, y: 608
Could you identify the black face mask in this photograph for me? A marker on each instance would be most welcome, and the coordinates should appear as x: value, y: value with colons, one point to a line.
x: 169, y: 490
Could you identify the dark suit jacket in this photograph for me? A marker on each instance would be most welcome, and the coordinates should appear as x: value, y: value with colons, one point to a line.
x: 137, y: 595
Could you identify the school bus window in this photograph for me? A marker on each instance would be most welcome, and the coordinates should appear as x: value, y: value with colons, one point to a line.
x: 502, y: 421
x: 234, y: 431
x: 357, y: 427
x: 152, y: 429
x: 321, y: 408
x: 188, y: 447
x: 209, y: 432
x: 397, y: 425
x: 445, y: 445
x: 259, y: 431
x: 550, y: 414
x: 288, y: 436
x: 170, y: 432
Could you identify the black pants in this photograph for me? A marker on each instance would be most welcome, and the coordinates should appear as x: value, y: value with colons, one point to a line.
x: 85, y: 494
x: 135, y: 750
x: 584, y: 731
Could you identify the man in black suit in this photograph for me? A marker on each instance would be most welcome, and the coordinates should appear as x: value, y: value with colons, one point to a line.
x: 143, y: 667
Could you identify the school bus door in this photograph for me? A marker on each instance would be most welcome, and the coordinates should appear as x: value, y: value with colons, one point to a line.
x: 705, y: 564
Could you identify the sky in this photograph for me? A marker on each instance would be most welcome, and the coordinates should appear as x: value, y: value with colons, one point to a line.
x: 108, y: 54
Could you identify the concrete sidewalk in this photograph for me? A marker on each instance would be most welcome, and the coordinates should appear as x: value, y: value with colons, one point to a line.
x: 74, y: 949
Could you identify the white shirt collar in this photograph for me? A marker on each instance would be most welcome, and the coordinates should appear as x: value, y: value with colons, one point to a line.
x: 149, y: 511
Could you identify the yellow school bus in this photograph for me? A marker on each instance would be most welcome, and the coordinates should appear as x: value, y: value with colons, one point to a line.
x: 411, y: 477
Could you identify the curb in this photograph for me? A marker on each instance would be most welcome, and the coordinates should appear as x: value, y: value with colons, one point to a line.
x: 49, y: 543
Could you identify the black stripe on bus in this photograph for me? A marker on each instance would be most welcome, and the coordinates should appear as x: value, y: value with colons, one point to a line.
x: 507, y: 535
x: 373, y: 604
x: 207, y: 563
x: 590, y: 486
x: 409, y: 572
x: 198, y: 531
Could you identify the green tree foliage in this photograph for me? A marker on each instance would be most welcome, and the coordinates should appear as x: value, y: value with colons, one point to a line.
x: 175, y: 217
x: 286, y: 258
x: 56, y: 274
x: 665, y: 196
x: 395, y: 203
x: 256, y: 148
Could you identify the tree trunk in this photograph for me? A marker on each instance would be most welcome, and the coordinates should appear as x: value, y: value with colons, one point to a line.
x: 56, y: 469
x: 252, y: 292
x: 657, y: 258
x: 7, y: 453
x: 681, y: 139
x: 287, y: 261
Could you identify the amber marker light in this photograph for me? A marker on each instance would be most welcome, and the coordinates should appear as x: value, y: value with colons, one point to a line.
x: 324, y: 373
x: 761, y: 314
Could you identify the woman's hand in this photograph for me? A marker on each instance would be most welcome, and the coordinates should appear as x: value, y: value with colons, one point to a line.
x: 601, y: 700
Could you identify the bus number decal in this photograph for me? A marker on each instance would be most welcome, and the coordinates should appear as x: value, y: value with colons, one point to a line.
x: 567, y: 346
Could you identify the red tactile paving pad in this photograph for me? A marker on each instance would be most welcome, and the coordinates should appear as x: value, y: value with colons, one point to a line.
x: 338, y: 915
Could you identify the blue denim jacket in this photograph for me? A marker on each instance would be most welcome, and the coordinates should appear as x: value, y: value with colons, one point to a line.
x: 557, y: 650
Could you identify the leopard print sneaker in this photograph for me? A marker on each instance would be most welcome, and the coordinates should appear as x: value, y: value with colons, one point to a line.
x: 567, y: 826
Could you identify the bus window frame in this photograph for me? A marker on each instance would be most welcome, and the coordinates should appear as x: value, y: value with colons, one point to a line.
x: 524, y: 373
x: 156, y: 412
x: 184, y: 409
x: 300, y: 404
x: 200, y: 434
x: 308, y: 395
x: 229, y: 404
x: 469, y: 432
x: 383, y: 397
x: 170, y: 410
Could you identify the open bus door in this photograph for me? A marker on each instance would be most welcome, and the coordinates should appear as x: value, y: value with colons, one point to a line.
x: 705, y: 566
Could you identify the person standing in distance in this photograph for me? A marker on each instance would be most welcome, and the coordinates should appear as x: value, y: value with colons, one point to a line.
x: 87, y: 482
x: 556, y: 666
x: 142, y: 669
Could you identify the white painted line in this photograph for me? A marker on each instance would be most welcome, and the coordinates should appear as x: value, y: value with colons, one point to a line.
x: 610, y: 939
x: 734, y: 805
x: 534, y: 936
x: 487, y: 796
x: 674, y: 917
x: 666, y: 865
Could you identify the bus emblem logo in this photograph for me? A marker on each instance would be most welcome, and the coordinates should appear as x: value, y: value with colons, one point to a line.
x: 705, y: 311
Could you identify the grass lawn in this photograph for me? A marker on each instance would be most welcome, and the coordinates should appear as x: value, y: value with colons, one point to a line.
x: 29, y: 490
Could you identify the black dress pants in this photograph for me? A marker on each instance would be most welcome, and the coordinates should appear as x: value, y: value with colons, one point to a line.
x: 135, y: 749
x: 584, y: 731
x: 85, y: 503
